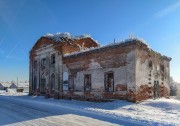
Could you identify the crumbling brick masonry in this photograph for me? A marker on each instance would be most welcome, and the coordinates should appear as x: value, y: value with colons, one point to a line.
x: 64, y: 66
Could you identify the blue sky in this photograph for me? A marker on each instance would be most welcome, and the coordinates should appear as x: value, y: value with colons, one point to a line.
x: 22, y: 22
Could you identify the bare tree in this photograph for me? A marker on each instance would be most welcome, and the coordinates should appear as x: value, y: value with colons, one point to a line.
x: 173, y: 87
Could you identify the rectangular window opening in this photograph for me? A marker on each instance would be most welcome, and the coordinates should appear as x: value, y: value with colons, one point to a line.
x: 109, y: 81
x: 53, y: 59
x: 87, y: 82
x: 71, y: 82
x: 43, y: 63
x: 35, y: 65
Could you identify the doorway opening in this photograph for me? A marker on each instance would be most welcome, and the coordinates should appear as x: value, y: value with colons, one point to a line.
x: 156, y: 89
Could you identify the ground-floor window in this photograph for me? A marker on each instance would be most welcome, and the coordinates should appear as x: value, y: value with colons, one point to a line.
x: 35, y: 83
x: 87, y: 82
x: 52, y: 82
x: 42, y: 85
x: 156, y: 89
x: 109, y: 81
x: 71, y: 82
x: 65, y: 81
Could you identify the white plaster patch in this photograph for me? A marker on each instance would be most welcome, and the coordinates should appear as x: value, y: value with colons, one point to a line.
x: 94, y: 65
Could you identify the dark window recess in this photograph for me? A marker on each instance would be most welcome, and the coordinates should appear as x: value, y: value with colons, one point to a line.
x: 43, y: 63
x: 35, y: 65
x: 52, y: 82
x: 66, y: 85
x: 162, y: 68
x: 87, y: 82
x: 71, y: 82
x: 53, y: 59
x: 156, y: 89
x: 43, y: 86
x: 149, y: 82
x: 150, y: 65
x: 34, y: 84
x: 109, y: 82
x: 65, y: 82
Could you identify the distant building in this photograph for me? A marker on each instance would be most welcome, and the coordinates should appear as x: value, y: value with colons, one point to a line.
x: 63, y: 66
x: 1, y: 87
x: 12, y: 86
x: 5, y: 85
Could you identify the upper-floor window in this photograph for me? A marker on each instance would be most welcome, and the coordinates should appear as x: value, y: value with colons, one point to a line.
x: 35, y: 65
x: 162, y: 68
x: 87, y: 82
x: 43, y: 63
x: 53, y: 59
x: 150, y: 65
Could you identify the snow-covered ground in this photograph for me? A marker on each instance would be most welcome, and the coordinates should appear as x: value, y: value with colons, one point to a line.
x: 28, y: 110
x: 12, y: 92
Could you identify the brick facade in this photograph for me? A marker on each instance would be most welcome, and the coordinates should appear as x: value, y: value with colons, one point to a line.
x: 127, y: 70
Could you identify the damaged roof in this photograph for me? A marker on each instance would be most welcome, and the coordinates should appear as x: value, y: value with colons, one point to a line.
x: 60, y: 37
x: 130, y: 40
x: 68, y: 38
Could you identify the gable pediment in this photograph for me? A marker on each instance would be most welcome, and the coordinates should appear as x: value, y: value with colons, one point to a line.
x: 42, y: 42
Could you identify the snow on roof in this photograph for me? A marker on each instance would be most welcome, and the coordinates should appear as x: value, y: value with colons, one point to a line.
x: 13, y: 85
x: 1, y: 85
x: 59, y: 37
x: 130, y: 39
x: 22, y: 84
x: 5, y: 84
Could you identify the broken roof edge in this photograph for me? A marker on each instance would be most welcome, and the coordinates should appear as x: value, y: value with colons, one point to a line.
x: 67, y: 35
x: 58, y: 37
x: 162, y: 56
x: 120, y: 43
x: 131, y: 39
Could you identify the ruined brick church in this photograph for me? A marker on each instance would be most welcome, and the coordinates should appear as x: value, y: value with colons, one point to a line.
x: 77, y: 67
